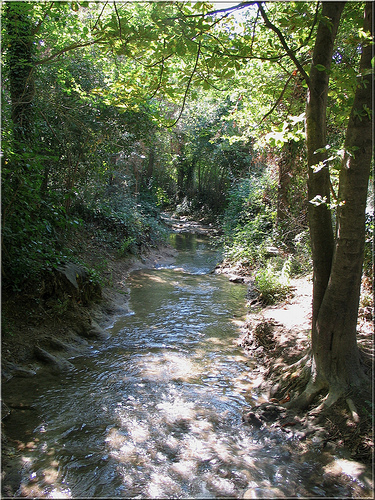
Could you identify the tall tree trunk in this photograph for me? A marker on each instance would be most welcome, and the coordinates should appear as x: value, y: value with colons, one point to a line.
x: 338, y: 264
x: 320, y: 221
x: 286, y: 167
x: 335, y: 348
x: 150, y: 164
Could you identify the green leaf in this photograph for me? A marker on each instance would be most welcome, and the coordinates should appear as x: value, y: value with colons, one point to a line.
x: 181, y: 49
x: 320, y: 67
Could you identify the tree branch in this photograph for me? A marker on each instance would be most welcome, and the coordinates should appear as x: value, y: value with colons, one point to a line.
x: 239, y: 6
x: 289, y: 51
x: 187, y: 88
x: 160, y: 78
x: 278, y: 100
x: 67, y: 49
x: 38, y: 26
x: 118, y: 19
x: 100, y: 15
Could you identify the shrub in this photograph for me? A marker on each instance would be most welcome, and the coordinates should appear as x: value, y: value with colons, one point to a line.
x: 272, y: 285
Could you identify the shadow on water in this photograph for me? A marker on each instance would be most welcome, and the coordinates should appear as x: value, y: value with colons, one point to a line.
x: 155, y: 410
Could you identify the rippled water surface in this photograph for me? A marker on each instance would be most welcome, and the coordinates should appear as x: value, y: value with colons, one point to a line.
x: 155, y: 410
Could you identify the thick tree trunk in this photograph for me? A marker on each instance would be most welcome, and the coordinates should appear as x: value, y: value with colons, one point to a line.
x: 335, y: 349
x: 338, y: 270
x: 320, y: 222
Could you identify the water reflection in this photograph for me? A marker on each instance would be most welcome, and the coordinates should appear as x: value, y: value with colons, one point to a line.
x: 155, y: 410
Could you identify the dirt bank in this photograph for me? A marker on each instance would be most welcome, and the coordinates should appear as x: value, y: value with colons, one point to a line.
x: 278, y: 337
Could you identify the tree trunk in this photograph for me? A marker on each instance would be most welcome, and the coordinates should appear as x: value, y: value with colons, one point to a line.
x: 337, y: 274
x: 320, y: 222
x: 150, y: 165
x: 286, y: 167
x: 335, y: 349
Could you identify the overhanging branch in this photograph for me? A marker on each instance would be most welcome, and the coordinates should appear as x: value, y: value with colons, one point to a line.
x: 278, y: 100
x: 280, y: 36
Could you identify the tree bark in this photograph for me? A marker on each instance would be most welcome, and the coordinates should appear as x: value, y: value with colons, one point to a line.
x: 286, y: 168
x: 338, y: 263
x: 335, y: 348
x: 320, y: 221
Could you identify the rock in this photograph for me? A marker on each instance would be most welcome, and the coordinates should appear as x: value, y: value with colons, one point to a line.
x: 236, y: 279
x: 252, y: 419
x: 330, y: 446
x: 58, y: 363
x: 263, y: 493
x: 273, y: 412
x: 271, y: 252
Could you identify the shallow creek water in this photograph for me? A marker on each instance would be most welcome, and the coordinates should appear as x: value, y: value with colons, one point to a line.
x: 155, y: 410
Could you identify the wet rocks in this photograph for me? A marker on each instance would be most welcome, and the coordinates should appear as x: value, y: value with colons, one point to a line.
x: 265, y: 414
x: 264, y: 493
x: 252, y: 419
x: 236, y: 279
x: 274, y: 416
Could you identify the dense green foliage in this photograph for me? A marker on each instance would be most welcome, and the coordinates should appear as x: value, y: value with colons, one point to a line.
x: 113, y: 112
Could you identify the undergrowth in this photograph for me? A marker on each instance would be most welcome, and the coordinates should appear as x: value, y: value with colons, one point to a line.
x: 255, y: 240
x: 272, y: 285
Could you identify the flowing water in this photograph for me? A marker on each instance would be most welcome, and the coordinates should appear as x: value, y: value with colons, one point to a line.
x: 155, y: 410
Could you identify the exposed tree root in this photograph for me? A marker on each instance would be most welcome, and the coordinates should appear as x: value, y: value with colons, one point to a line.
x: 353, y: 410
x: 305, y: 399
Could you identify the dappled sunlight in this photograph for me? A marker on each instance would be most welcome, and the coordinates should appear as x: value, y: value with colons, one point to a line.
x: 156, y: 410
x: 296, y: 312
x: 45, y: 481
x: 168, y: 366
x: 177, y: 410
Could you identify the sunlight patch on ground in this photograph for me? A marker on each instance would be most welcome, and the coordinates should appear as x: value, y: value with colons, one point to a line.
x: 297, y: 311
x: 354, y: 470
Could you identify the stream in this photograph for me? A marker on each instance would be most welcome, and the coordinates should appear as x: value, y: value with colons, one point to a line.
x: 155, y: 410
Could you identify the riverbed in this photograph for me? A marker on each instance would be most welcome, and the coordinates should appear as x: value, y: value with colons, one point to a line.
x: 155, y: 409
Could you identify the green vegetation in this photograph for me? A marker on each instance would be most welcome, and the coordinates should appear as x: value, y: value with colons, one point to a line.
x: 271, y: 284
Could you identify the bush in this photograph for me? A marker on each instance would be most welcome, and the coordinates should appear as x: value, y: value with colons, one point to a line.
x: 272, y: 285
x: 249, y: 220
